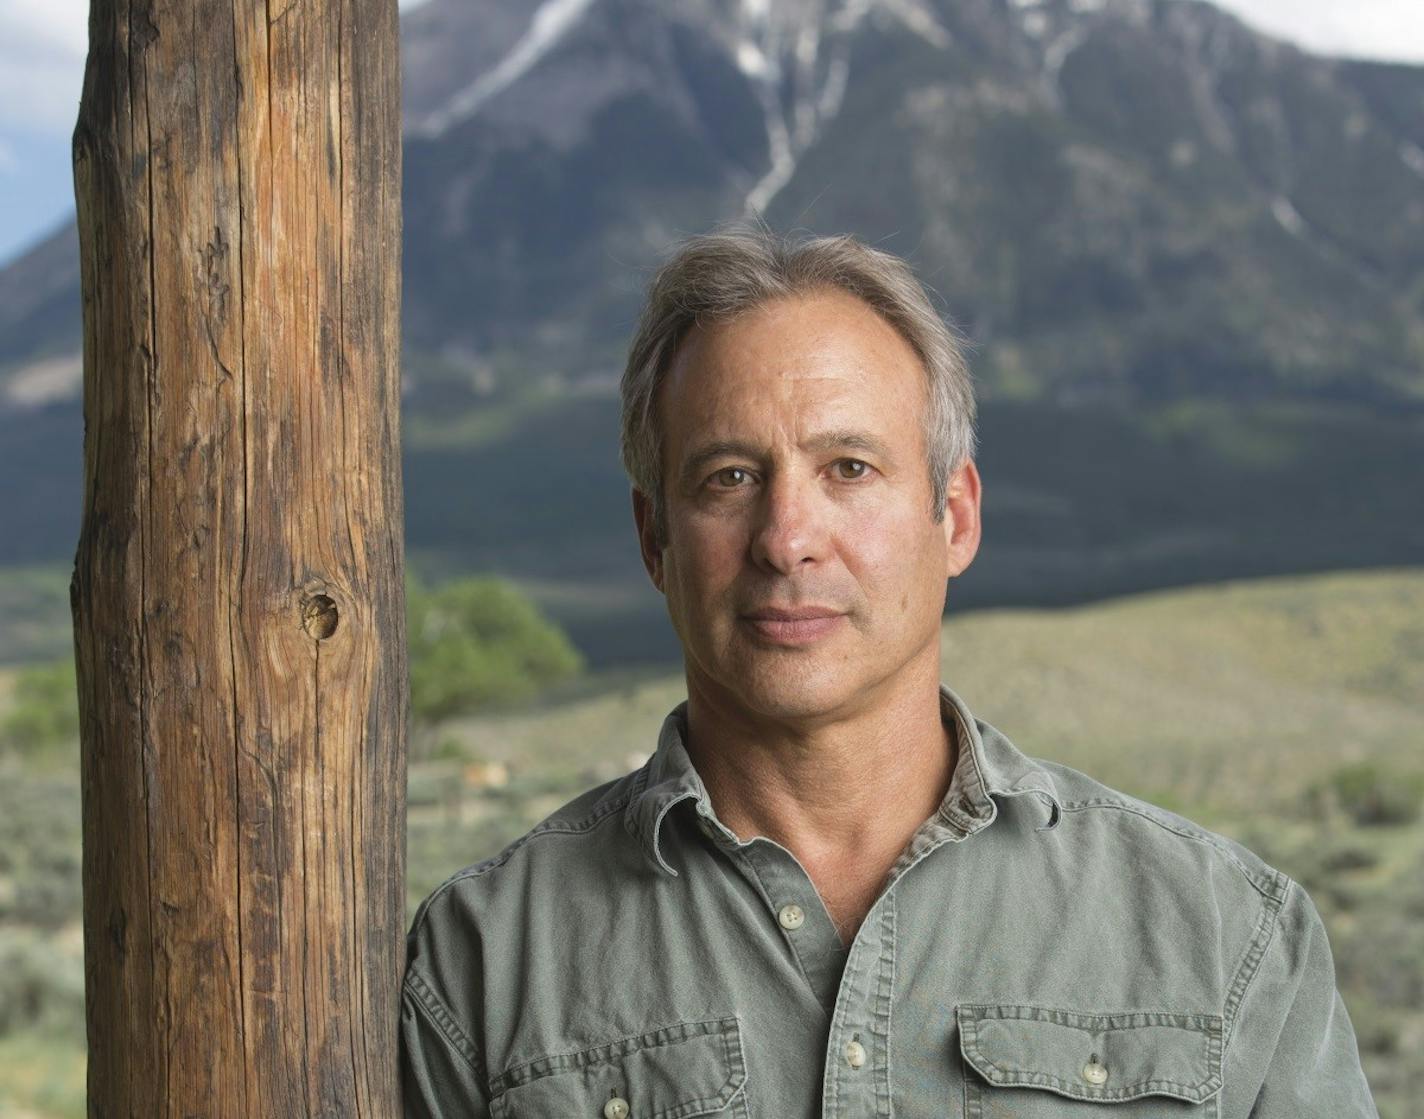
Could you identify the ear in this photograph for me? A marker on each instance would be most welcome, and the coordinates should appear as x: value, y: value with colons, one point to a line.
x: 961, y: 519
x: 648, y: 543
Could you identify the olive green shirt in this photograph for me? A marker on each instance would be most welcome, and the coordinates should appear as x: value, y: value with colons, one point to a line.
x: 1044, y: 946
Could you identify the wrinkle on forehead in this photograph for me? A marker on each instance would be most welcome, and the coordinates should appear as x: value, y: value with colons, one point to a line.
x: 788, y: 372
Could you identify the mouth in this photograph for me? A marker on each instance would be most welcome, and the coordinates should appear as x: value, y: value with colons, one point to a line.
x: 801, y: 625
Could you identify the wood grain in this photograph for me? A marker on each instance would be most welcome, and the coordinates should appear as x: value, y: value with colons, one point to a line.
x: 237, y: 591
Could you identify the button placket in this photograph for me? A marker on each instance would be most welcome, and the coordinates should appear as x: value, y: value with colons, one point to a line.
x: 856, y: 1081
x: 795, y: 914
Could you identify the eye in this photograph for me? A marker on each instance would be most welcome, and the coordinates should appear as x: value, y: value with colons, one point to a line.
x: 852, y: 469
x: 731, y: 477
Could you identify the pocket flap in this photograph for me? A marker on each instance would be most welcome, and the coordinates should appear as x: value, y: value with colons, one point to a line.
x: 694, y: 1068
x: 1094, y: 1056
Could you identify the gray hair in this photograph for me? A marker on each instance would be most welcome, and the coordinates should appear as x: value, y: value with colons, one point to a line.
x: 717, y: 276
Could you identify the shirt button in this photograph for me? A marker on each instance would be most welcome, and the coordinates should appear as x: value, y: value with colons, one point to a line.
x: 791, y: 916
x: 1095, y: 1073
x: 855, y: 1054
x: 616, y: 1108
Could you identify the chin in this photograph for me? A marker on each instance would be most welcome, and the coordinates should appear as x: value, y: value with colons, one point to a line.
x: 781, y: 688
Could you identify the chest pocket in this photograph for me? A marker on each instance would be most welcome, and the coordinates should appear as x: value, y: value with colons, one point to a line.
x: 691, y: 1069
x: 1033, y: 1063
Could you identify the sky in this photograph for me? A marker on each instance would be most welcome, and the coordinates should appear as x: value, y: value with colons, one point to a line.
x: 42, y: 45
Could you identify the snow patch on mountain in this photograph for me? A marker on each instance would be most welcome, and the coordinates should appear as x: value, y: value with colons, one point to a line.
x: 551, y: 22
x: 919, y: 19
x: 1058, y: 51
x: 797, y: 56
x: 1412, y: 157
x: 1287, y: 216
x: 751, y: 61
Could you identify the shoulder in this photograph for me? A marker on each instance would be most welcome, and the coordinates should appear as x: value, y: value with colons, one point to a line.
x: 1218, y: 920
x: 480, y: 917
x: 578, y: 836
x: 1099, y: 814
x: 1283, y: 1022
x: 1104, y: 830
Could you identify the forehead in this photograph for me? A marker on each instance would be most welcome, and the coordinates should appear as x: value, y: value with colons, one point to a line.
x: 804, y: 361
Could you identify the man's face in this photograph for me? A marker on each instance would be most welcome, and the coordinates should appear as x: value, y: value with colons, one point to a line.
x: 803, y: 567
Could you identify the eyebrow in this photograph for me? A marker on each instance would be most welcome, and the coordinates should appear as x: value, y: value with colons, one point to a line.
x: 844, y: 439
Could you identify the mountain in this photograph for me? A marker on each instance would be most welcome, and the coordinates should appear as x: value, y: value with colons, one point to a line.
x: 1189, y: 258
x: 1117, y: 201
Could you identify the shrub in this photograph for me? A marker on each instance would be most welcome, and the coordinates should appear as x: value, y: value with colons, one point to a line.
x: 45, y: 709
x: 478, y: 643
x: 40, y: 831
x: 41, y: 986
x: 1348, y: 857
x: 1371, y: 795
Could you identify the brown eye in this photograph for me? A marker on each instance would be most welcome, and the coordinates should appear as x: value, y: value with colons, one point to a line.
x: 851, y: 468
x: 731, y: 477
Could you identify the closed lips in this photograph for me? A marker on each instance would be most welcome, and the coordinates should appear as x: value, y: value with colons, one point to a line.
x: 793, y: 627
x: 802, y: 614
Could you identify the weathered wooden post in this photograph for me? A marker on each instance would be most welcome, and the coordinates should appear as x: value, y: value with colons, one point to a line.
x: 237, y: 593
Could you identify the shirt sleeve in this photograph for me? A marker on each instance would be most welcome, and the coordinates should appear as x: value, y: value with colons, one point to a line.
x: 1293, y: 1021
x: 439, y: 1066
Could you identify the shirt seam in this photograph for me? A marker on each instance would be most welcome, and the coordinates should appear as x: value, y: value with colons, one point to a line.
x: 1274, y: 892
x: 443, y: 1019
x: 831, y: 1078
x: 1191, y: 1021
x: 968, y: 737
x: 884, y: 1085
x: 966, y: 821
x: 520, y: 1075
x: 1251, y: 958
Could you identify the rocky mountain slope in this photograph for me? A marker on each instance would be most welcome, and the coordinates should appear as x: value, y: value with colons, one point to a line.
x: 1117, y: 199
x: 1122, y: 200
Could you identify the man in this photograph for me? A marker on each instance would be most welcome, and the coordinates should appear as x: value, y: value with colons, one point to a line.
x: 832, y: 891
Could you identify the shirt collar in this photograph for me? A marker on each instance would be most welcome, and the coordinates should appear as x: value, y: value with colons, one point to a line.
x: 988, y: 766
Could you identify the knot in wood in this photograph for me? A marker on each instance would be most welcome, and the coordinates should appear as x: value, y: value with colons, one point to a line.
x: 319, y: 615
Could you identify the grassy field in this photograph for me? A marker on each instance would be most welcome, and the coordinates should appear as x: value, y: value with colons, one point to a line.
x: 1287, y: 713
x: 34, y: 615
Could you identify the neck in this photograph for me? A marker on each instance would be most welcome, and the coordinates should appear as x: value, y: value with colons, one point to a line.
x: 837, y: 793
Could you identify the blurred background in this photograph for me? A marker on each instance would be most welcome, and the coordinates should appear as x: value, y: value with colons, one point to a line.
x: 1186, y: 242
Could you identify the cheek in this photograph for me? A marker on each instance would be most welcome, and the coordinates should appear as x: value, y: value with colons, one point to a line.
x: 707, y: 558
x: 898, y: 559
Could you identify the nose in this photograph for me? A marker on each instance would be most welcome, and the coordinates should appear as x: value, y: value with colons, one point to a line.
x: 791, y: 529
